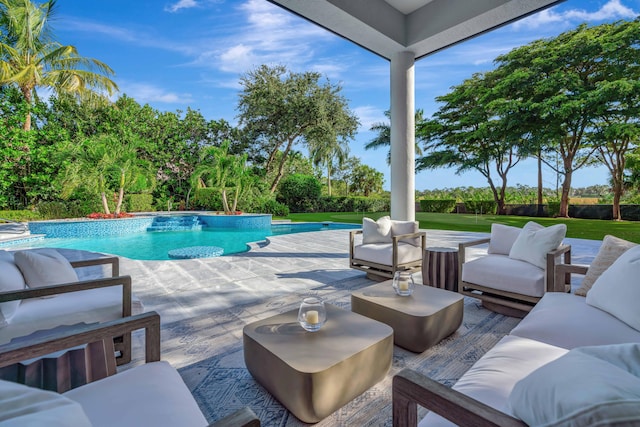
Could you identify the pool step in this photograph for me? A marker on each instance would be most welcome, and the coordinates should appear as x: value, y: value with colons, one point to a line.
x: 176, y: 223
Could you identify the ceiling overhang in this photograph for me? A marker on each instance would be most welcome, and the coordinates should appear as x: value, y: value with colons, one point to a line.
x: 423, y: 27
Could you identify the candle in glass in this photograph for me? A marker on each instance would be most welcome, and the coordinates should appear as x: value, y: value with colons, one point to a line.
x: 312, y: 317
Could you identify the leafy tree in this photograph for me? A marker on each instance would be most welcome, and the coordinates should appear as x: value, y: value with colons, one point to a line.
x: 299, y: 192
x: 561, y: 77
x: 471, y: 131
x: 365, y: 180
x: 331, y: 155
x: 30, y: 57
x: 280, y: 109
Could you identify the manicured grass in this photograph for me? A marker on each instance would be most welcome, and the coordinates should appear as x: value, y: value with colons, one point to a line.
x: 579, y: 228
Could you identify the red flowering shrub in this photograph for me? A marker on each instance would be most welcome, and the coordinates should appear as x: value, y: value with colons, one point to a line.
x: 100, y: 215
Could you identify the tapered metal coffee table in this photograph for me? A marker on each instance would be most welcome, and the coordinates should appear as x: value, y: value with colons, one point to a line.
x: 419, y: 321
x: 315, y: 373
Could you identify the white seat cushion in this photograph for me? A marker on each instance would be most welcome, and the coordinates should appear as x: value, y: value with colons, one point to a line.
x: 588, y: 386
x: 96, y: 305
x: 491, y: 379
x: 382, y: 253
x: 153, y: 394
x: 566, y: 320
x: 10, y: 280
x: 22, y: 406
x: 505, y: 274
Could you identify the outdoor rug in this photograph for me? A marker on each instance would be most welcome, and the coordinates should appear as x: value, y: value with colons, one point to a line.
x: 209, y: 351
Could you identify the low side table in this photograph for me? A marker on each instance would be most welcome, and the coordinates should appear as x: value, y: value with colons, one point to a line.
x: 419, y: 321
x: 440, y: 268
x: 315, y: 373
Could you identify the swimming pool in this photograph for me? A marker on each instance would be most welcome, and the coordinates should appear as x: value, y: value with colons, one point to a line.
x: 156, y: 245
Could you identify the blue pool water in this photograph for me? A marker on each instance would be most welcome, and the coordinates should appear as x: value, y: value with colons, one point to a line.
x: 156, y: 245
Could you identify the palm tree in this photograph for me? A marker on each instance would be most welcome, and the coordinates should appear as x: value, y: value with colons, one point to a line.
x: 103, y: 164
x: 30, y: 58
x: 326, y: 152
x: 383, y: 137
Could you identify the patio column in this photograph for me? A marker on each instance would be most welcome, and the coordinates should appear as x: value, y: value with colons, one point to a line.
x: 402, y: 136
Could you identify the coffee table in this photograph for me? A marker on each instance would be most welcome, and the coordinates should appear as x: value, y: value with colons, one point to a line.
x: 315, y: 373
x: 419, y: 321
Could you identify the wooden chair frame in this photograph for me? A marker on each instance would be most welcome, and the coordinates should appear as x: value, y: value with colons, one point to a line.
x: 513, y: 300
x: 411, y: 389
x: 376, y: 270
x: 122, y: 343
x: 101, y: 336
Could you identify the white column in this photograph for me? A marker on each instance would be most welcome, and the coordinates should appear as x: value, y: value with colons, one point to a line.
x: 402, y: 137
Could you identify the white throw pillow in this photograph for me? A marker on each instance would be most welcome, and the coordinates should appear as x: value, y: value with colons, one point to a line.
x: 587, y: 386
x: 376, y: 231
x: 405, y: 227
x: 44, y: 267
x: 26, y: 406
x: 617, y: 290
x: 535, y: 241
x: 502, y: 238
x: 10, y: 280
x: 610, y: 250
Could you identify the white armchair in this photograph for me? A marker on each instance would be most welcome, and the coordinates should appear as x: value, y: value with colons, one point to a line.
x: 386, y: 246
x: 518, y: 268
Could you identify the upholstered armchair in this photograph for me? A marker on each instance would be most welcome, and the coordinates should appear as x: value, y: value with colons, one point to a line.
x: 517, y: 268
x: 385, y: 246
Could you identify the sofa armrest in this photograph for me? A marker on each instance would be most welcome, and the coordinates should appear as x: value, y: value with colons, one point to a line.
x: 555, y: 283
x: 411, y: 388
x: 114, y: 261
x: 564, y: 272
x: 241, y: 418
x: 86, y: 334
x: 124, y: 281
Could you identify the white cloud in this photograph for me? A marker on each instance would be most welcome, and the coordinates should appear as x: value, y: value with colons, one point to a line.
x: 181, y: 4
x: 147, y: 93
x: 269, y: 36
x: 613, y: 9
x: 368, y: 115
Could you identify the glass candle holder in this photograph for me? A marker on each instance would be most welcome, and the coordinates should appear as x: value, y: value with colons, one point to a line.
x: 312, y: 314
x: 403, y: 283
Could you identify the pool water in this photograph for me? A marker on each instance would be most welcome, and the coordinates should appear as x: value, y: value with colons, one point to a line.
x: 156, y: 245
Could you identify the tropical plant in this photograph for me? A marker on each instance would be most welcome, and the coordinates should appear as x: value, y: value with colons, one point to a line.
x: 104, y: 164
x: 225, y: 172
x: 31, y: 58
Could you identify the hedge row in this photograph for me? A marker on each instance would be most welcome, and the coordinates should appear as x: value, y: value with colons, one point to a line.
x: 437, y: 205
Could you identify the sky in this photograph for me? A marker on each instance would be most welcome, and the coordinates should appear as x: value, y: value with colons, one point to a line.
x: 174, y: 54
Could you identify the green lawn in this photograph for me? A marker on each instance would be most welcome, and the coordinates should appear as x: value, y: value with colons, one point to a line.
x: 579, y: 228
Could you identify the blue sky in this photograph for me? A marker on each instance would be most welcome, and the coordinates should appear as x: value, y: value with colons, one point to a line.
x: 174, y: 54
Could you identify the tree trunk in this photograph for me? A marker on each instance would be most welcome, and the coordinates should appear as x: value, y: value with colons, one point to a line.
x: 278, y: 177
x: 105, y: 204
x: 540, y: 207
x: 120, y: 198
x: 618, y: 191
x: 328, y: 179
x: 225, y: 204
x: 564, y: 197
x: 26, y: 92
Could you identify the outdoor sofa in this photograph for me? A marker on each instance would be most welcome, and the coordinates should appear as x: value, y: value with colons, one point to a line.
x: 41, y: 289
x: 573, y: 360
x: 150, y: 394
